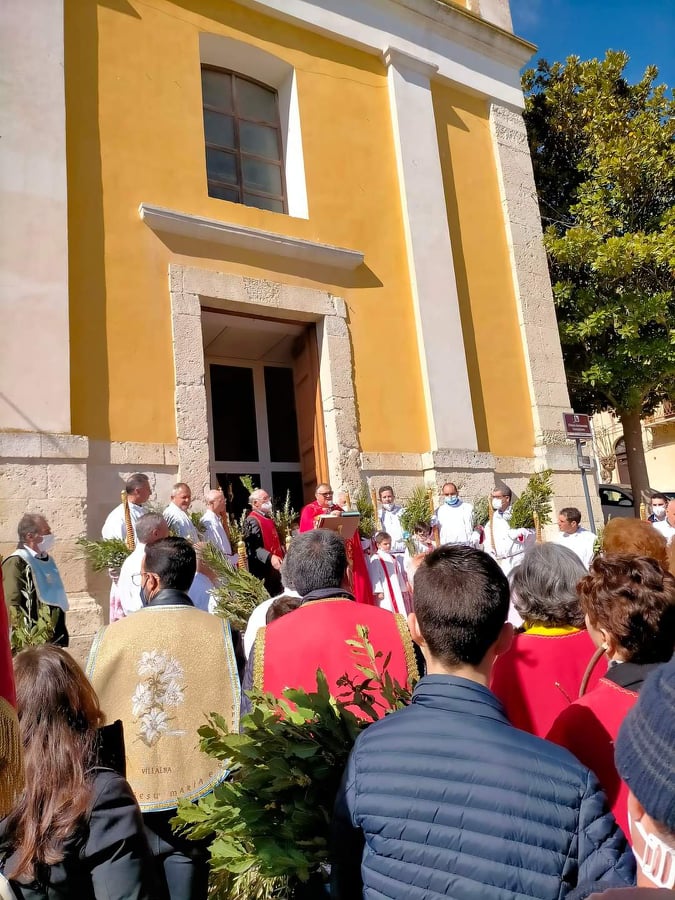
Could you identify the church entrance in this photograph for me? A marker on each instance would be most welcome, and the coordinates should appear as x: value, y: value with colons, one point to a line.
x: 264, y: 407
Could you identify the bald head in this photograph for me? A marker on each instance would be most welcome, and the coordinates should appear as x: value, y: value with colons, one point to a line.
x: 215, y: 501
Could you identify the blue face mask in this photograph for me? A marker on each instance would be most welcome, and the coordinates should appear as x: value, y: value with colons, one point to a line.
x: 452, y: 501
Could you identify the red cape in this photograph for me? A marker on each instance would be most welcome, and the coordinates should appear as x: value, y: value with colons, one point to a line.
x: 360, y: 577
x: 540, y: 675
x: 589, y: 728
x: 290, y: 650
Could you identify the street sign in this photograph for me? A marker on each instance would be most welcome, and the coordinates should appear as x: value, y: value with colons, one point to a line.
x: 577, y: 426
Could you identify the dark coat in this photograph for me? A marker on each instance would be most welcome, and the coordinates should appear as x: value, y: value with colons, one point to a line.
x: 106, y: 858
x: 452, y: 801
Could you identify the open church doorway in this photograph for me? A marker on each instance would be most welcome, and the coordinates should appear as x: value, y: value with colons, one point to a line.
x: 264, y: 407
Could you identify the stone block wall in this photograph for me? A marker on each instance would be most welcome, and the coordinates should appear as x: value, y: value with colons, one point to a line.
x: 75, y: 483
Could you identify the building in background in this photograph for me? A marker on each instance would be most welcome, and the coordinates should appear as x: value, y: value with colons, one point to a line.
x: 287, y: 238
x: 658, y: 439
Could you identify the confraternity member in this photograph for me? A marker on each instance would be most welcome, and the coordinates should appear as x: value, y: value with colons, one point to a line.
x: 505, y: 544
x: 323, y: 506
x: 31, y: 576
x: 390, y: 521
x: 176, y: 513
x: 264, y: 550
x: 214, y: 522
x: 574, y: 537
x: 160, y: 671
x: 388, y: 580
x: 121, y: 524
x: 455, y: 519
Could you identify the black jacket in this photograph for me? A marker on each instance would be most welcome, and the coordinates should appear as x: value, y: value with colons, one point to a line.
x: 106, y: 858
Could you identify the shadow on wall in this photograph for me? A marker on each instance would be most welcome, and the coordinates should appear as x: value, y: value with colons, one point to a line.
x: 86, y: 241
x: 190, y: 248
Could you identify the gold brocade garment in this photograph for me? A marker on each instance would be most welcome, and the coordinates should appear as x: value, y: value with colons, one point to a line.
x: 162, y: 670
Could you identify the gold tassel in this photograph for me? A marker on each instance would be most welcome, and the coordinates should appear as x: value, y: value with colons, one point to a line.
x: 11, y: 758
x: 242, y: 563
x: 130, y: 537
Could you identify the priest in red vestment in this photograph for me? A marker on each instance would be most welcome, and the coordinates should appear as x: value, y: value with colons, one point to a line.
x: 322, y: 506
x: 264, y: 550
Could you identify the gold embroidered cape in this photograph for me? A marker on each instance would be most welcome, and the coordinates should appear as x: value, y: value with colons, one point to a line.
x: 162, y: 670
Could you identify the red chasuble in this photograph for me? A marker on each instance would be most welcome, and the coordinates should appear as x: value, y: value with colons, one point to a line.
x: 289, y: 650
x: 588, y: 728
x: 269, y: 532
x: 362, y: 589
x: 540, y: 675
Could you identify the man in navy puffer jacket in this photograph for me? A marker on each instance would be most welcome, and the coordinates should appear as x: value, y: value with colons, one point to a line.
x: 445, y: 798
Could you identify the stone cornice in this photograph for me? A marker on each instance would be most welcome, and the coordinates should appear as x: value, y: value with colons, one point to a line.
x: 241, y: 237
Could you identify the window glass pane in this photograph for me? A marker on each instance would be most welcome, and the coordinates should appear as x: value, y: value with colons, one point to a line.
x: 221, y: 166
x: 221, y: 192
x: 259, y: 139
x: 287, y: 481
x: 217, y: 89
x: 263, y: 203
x: 235, y: 435
x: 281, y: 418
x: 261, y: 176
x: 218, y: 129
x: 236, y: 494
x: 256, y: 102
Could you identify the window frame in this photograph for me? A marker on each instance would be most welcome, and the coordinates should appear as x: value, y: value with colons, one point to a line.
x: 237, y: 151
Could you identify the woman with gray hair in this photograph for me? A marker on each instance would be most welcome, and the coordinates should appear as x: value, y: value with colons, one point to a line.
x: 541, y: 673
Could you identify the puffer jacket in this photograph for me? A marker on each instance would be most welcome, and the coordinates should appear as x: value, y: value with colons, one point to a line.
x: 452, y: 801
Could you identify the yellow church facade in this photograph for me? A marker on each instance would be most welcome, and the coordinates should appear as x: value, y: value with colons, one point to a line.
x: 286, y: 238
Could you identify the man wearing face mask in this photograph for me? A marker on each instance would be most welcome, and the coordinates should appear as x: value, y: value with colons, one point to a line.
x: 390, y: 521
x: 505, y: 544
x: 658, y: 503
x: 31, y: 576
x: 264, y: 550
x: 645, y: 759
x: 455, y: 519
x: 667, y: 525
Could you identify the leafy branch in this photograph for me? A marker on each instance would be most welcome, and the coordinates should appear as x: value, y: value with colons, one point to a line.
x: 271, y: 820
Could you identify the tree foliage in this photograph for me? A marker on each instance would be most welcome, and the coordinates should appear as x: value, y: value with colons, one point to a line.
x: 270, y: 821
x: 604, y: 165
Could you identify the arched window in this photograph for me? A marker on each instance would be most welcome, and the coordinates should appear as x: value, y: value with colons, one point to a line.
x: 244, y: 156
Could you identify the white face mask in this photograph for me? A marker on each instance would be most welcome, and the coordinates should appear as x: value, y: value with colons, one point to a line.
x: 266, y: 507
x: 388, y: 506
x: 658, y: 863
x: 496, y: 504
x: 659, y: 511
x: 46, y: 543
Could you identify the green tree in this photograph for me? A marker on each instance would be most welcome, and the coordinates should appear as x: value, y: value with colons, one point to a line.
x: 604, y: 164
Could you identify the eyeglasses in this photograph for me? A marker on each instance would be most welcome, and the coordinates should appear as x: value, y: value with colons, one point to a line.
x: 137, y: 579
x: 325, y: 493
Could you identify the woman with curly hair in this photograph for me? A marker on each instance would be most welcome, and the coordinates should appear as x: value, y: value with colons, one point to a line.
x: 633, y: 537
x: 541, y: 673
x: 629, y: 604
x: 76, y: 831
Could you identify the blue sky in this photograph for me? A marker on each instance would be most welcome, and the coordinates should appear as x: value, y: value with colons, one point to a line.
x: 587, y: 28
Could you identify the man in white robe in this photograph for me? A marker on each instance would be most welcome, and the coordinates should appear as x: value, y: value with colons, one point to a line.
x: 150, y: 527
x: 389, y: 518
x: 666, y: 527
x: 574, y: 537
x: 212, y: 521
x: 138, y: 492
x: 505, y: 544
x: 176, y: 515
x: 455, y: 519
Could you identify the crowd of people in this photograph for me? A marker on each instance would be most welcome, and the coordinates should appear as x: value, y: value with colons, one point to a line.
x: 535, y: 759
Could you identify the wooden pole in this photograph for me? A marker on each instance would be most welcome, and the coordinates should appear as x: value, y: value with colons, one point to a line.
x: 128, y: 524
x: 432, y: 511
